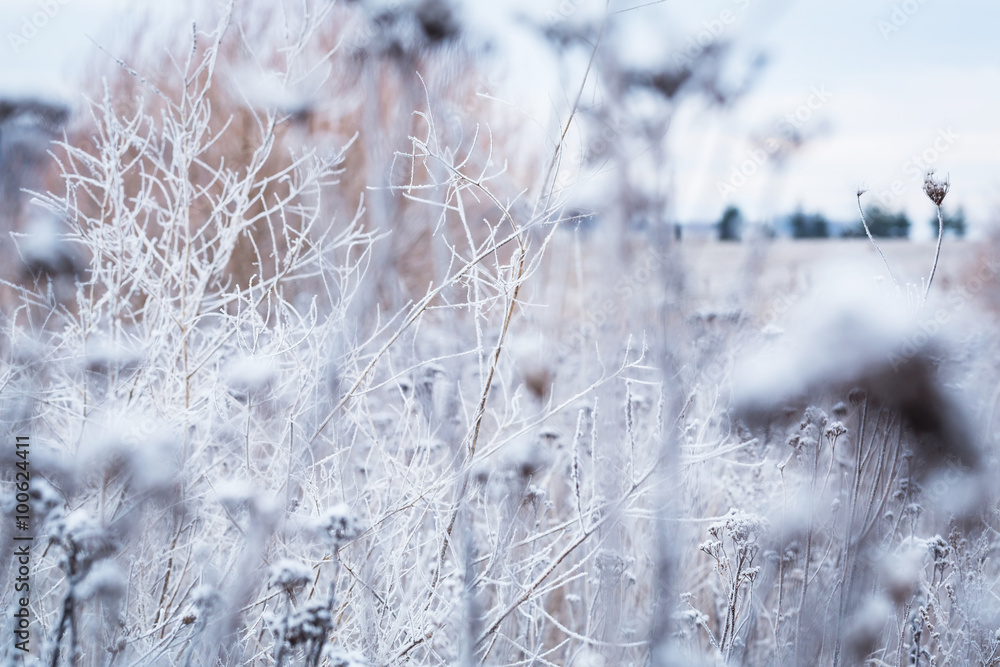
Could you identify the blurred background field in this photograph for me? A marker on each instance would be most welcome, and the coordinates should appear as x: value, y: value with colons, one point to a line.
x: 717, y: 269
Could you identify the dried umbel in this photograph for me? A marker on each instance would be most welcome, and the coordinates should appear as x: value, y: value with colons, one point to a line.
x: 85, y: 540
x: 205, y: 600
x: 338, y: 525
x: 290, y: 575
x: 437, y: 20
x: 310, y: 625
x: 936, y: 190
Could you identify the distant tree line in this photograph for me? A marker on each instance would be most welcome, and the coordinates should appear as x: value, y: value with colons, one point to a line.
x: 881, y: 223
x: 731, y: 224
x: 812, y: 226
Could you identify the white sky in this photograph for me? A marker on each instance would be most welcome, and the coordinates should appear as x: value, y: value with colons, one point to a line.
x: 891, y: 94
x: 899, y: 74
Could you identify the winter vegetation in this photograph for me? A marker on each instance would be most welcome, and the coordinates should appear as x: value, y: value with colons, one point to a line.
x: 323, y: 363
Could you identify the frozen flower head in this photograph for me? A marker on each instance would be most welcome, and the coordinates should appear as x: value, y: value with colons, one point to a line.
x: 934, y: 189
x: 338, y: 525
x: 835, y: 333
x: 309, y: 625
x: 847, y: 334
x: 234, y: 493
x: 204, y: 600
x: 104, y: 581
x: 239, y: 495
x: 47, y: 252
x: 290, y: 575
x: 857, y: 396
x: 105, y: 354
x: 865, y: 629
x: 533, y: 360
x: 338, y: 656
x: 248, y: 376
x: 527, y: 458
x: 136, y: 444
x: 589, y: 658
x: 743, y: 528
x: 835, y: 430
x: 437, y: 20
x: 44, y: 498
x: 901, y: 570
x: 84, y: 540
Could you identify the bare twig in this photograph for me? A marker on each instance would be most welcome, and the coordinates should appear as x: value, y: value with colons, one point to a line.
x: 872, y: 239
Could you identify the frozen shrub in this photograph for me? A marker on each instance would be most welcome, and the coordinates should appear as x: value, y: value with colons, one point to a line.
x: 314, y: 376
x: 338, y: 525
x: 733, y: 548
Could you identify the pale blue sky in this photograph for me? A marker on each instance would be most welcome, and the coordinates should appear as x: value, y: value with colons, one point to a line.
x: 901, y: 76
x: 892, y: 94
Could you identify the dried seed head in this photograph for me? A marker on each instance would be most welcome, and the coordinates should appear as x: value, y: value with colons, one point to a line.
x: 935, y: 189
x: 338, y: 525
x: 857, y: 396
x: 814, y: 415
x: 835, y: 430
x: 309, y: 625
x: 437, y: 20
x: 290, y: 574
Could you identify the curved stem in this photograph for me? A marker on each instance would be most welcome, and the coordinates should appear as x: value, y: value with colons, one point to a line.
x: 872, y: 239
x: 937, y: 253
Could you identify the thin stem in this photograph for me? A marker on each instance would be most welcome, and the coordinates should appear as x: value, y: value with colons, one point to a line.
x: 808, y: 556
x: 937, y: 253
x: 549, y: 181
x: 872, y: 239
